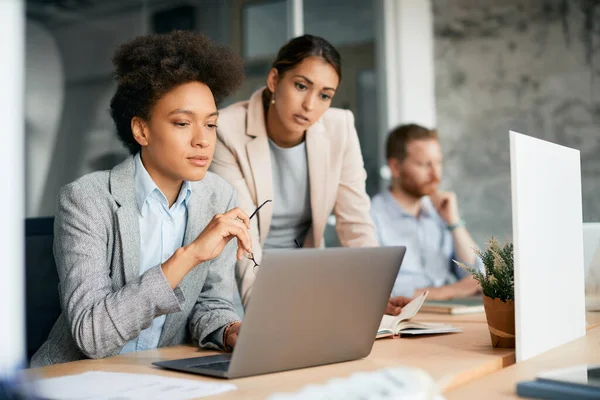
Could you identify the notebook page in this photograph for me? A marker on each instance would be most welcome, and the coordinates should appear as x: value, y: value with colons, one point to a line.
x: 411, y: 309
x: 389, y: 322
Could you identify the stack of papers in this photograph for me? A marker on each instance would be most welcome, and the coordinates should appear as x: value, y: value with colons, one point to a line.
x: 96, y: 385
x: 389, y: 383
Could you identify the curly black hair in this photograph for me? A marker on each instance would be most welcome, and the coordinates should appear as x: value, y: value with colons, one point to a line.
x: 149, y: 66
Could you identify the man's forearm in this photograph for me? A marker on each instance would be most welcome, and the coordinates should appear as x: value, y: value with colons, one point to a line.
x: 464, y: 245
x: 466, y: 287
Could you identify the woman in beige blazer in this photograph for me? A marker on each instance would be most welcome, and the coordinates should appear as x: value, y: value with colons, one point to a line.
x: 287, y: 144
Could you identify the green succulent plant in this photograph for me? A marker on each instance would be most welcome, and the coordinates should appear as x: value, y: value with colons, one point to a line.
x: 498, y: 279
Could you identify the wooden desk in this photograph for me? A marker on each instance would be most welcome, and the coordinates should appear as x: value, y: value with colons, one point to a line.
x: 460, y: 358
x: 502, y: 384
x: 466, y: 360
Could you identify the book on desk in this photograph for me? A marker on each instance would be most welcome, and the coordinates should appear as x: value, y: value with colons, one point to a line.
x: 580, y: 382
x: 467, y: 305
x: 401, y: 325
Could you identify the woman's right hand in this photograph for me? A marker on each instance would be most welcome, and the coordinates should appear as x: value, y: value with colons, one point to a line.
x: 209, y: 244
x: 219, y: 231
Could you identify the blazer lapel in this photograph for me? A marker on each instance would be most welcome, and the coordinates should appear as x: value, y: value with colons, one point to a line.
x: 317, y: 149
x: 122, y: 187
x: 196, y: 222
x: 260, y: 161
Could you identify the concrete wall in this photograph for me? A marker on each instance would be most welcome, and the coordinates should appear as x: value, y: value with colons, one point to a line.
x: 528, y: 65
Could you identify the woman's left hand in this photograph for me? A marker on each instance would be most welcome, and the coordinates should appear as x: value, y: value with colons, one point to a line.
x: 231, y: 335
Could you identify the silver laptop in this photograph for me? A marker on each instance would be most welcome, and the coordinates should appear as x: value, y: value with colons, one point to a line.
x: 309, y: 307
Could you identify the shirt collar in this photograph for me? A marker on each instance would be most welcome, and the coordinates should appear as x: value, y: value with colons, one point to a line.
x: 427, y: 209
x: 184, y: 193
x: 426, y: 206
x: 145, y: 187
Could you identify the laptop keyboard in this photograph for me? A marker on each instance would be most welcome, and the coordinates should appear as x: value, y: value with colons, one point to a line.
x: 217, y: 366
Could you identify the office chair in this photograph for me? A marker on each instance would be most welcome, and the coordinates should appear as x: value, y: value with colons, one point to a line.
x: 42, y: 303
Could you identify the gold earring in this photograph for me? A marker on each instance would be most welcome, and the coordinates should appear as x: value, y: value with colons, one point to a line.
x: 273, y: 98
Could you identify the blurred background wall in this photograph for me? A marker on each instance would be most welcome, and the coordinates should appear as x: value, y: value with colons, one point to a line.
x: 531, y: 66
x: 528, y: 65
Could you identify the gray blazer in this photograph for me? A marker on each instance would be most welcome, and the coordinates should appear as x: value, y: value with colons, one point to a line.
x: 105, y: 302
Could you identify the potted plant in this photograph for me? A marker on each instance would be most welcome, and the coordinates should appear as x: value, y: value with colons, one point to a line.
x: 498, y: 286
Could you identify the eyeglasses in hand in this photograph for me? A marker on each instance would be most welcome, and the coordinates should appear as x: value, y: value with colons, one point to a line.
x: 250, y: 256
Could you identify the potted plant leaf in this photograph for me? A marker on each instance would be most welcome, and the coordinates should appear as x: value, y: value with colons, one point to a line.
x: 498, y: 286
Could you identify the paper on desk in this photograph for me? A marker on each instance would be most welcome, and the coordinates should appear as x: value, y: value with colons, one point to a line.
x: 384, y: 384
x: 96, y: 385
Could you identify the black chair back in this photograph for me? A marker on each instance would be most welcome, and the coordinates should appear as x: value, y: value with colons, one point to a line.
x: 42, y: 303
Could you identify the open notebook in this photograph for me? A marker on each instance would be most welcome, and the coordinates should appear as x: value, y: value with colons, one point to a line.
x: 401, y: 326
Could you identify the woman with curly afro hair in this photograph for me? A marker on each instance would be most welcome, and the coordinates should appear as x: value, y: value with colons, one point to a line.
x: 144, y: 252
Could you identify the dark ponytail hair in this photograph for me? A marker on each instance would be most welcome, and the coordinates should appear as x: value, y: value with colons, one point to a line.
x: 301, y: 47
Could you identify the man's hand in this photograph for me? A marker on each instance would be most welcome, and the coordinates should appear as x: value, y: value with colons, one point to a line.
x: 219, y: 231
x: 231, y: 335
x: 437, y: 293
x: 466, y: 287
x: 447, y: 206
x: 395, y: 304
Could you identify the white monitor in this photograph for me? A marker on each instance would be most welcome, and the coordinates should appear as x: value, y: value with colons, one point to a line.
x: 548, y: 244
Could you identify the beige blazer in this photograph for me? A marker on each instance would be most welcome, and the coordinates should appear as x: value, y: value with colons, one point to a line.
x: 336, y: 173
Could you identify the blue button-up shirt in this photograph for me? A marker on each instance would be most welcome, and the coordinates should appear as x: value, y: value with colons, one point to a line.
x: 429, y: 244
x: 161, y: 233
